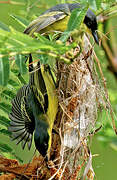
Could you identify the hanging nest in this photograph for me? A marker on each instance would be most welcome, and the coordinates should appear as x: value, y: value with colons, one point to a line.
x: 79, y: 97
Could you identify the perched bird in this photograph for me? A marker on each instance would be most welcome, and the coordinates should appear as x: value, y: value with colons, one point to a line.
x: 35, y: 106
x: 34, y: 110
x: 56, y: 19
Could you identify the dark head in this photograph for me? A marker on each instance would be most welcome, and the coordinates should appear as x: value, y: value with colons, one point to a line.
x: 41, y: 139
x: 91, y: 23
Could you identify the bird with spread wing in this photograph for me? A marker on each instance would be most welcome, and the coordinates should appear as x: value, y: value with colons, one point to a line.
x: 35, y: 106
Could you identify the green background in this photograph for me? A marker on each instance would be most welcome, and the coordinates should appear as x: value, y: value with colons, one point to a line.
x: 103, y: 144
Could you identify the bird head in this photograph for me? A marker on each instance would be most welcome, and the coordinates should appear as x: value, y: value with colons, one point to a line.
x: 41, y: 139
x: 91, y: 22
x: 41, y: 135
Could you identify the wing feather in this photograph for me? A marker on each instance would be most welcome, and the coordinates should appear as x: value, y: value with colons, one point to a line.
x: 22, y: 122
x: 44, y: 21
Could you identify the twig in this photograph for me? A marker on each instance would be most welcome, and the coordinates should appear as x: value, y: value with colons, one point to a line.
x: 5, y: 170
x: 109, y: 54
x: 106, y: 93
x: 11, y: 2
x: 5, y: 2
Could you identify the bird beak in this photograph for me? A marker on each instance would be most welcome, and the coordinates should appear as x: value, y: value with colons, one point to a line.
x: 95, y: 35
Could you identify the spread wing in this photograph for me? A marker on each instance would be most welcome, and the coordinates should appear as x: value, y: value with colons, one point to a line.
x: 22, y: 122
x: 30, y: 101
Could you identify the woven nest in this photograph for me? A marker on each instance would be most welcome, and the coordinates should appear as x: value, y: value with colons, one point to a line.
x: 79, y: 101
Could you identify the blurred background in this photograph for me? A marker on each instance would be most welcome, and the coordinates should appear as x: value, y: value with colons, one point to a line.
x: 104, y: 142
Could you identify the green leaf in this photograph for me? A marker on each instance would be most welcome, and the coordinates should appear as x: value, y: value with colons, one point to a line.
x: 43, y: 59
x: 98, y: 4
x: 15, y: 71
x: 8, y: 94
x: 19, y: 76
x: 4, y: 121
x: 18, y: 43
x: 13, y: 83
x: 75, y: 21
x: 17, y: 157
x: 5, y: 107
x: 4, y: 27
x: 5, y: 148
x: 20, y: 61
x: 23, y: 22
x: 21, y: 79
x: 77, y: 18
x: 5, y: 132
x: 4, y: 70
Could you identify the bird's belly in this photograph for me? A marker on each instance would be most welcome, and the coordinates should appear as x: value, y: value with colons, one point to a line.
x: 60, y: 25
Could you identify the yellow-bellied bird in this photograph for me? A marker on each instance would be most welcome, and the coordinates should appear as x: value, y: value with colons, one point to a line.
x: 35, y: 106
x: 56, y: 19
x: 34, y: 109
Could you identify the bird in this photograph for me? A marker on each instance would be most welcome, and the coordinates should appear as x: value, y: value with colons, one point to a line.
x: 56, y: 19
x: 34, y: 110
x: 35, y: 106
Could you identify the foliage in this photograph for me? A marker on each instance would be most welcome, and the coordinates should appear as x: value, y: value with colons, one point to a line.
x: 14, y: 49
x: 15, y: 46
x: 7, y: 93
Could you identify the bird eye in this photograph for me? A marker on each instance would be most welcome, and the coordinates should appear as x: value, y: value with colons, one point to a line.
x: 89, y: 24
x: 45, y: 144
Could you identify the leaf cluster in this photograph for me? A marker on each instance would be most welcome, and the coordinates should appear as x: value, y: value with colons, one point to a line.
x: 14, y: 49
